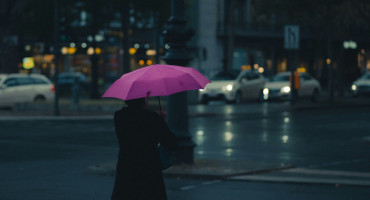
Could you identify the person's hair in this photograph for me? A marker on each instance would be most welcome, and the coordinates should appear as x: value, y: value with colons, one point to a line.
x: 135, y: 102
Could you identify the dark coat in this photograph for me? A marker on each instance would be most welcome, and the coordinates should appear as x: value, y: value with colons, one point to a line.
x: 138, y: 173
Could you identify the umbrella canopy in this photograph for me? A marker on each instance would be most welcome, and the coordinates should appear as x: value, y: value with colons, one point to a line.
x: 156, y: 80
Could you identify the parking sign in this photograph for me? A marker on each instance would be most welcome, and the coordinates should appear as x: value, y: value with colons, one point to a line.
x: 291, y: 37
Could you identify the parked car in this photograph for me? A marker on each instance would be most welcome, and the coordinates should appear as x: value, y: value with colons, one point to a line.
x: 67, y: 79
x: 20, y: 88
x: 248, y: 85
x: 361, y: 86
x: 279, y: 87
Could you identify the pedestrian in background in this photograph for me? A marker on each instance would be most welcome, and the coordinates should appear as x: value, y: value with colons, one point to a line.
x: 139, y: 171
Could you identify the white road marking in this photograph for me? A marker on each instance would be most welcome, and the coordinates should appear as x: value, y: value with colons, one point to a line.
x: 327, y: 172
x: 303, y: 180
x: 304, y: 175
x: 187, y: 187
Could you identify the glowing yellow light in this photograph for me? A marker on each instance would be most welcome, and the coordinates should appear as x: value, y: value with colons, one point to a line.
x: 256, y: 66
x: 141, y: 62
x: 64, y: 50
x: 72, y: 50
x: 151, y: 52
x: 90, y: 51
x: 301, y: 69
x: 246, y: 67
x: 149, y: 62
x: 132, y: 51
x: 261, y: 70
x: 98, y: 50
x: 28, y: 63
x: 328, y: 61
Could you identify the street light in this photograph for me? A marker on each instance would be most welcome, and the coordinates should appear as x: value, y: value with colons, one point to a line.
x: 176, y: 35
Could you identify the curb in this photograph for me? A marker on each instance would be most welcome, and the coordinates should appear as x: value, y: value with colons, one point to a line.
x: 108, y: 169
x: 225, y: 176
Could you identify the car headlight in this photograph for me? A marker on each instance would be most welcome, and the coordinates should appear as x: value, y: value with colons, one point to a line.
x: 229, y: 87
x: 201, y: 90
x: 266, y: 91
x: 285, y: 89
x: 354, y: 87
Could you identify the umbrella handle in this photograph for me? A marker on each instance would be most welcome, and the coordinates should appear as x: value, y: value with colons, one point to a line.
x: 146, y: 99
x: 160, y: 107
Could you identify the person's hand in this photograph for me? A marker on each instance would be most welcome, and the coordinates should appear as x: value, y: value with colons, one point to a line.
x: 162, y: 114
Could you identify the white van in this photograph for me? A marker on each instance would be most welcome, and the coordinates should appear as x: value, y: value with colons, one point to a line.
x: 21, y: 88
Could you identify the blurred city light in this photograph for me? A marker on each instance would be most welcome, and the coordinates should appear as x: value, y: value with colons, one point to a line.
x: 27, y: 48
x: 28, y: 63
x: 72, y: 50
x: 151, y: 52
x: 90, y: 51
x: 200, y: 133
x: 228, y: 136
x: 328, y: 61
x: 350, y: 44
x: 285, y: 138
x: 261, y: 70
x: 98, y: 50
x: 132, y: 51
x: 64, y: 50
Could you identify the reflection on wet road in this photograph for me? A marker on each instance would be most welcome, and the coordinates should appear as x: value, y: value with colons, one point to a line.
x: 278, y: 134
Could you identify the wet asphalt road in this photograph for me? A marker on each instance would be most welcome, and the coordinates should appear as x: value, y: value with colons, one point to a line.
x: 309, y: 137
x: 47, y: 159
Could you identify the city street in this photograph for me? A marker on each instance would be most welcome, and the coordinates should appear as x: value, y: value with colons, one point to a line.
x: 45, y: 158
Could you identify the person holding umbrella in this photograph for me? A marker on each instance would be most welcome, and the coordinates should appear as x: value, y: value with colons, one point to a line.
x: 139, y: 130
x: 139, y: 170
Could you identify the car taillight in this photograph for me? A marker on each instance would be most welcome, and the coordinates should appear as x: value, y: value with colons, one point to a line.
x: 52, y: 88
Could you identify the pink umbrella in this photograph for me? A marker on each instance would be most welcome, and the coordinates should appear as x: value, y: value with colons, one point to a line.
x: 156, y: 80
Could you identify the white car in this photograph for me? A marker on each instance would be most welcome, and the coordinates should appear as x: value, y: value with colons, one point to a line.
x: 362, y: 85
x: 279, y: 87
x: 248, y: 85
x: 21, y: 88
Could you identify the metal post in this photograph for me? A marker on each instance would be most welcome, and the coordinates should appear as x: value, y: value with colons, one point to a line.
x: 94, y: 57
x: 291, y: 62
x: 176, y: 35
x: 56, y: 56
x: 125, y: 42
